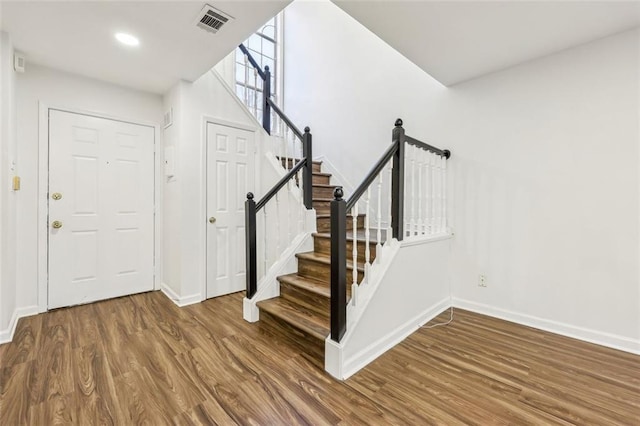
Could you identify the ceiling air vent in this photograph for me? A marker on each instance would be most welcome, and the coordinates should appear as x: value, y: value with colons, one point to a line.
x: 211, y: 19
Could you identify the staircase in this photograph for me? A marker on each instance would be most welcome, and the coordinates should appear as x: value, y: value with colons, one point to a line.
x: 302, y: 309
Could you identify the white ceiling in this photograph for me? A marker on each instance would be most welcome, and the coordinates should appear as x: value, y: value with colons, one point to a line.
x: 455, y: 41
x: 79, y: 37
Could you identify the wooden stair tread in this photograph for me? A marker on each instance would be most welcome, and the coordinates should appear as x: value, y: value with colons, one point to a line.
x: 328, y: 216
x: 326, y: 259
x: 312, y: 323
x: 322, y: 174
x: 373, y: 238
x: 310, y: 284
x: 324, y: 185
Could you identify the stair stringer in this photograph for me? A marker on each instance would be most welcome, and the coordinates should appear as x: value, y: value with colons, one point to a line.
x: 405, y: 290
x: 268, y: 285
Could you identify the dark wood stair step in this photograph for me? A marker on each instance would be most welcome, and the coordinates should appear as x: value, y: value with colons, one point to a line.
x: 322, y: 244
x: 296, y: 316
x: 312, y: 293
x: 323, y: 191
x: 288, y: 163
x: 322, y: 205
x: 311, y: 285
x: 318, y: 266
x: 323, y: 222
x: 320, y: 178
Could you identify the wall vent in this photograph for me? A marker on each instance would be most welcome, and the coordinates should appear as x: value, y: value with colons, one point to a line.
x: 212, y: 19
x: 19, y: 62
x: 168, y: 118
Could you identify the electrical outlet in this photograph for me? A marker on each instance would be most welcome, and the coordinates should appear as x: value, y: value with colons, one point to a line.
x: 482, y: 281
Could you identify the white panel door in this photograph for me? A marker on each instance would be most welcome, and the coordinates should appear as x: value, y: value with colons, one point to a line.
x: 230, y: 169
x: 101, y: 191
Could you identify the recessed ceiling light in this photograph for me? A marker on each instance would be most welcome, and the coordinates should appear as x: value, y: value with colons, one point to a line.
x: 127, y: 39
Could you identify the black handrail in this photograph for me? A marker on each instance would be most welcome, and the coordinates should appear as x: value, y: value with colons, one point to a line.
x: 252, y: 61
x: 442, y: 152
x: 282, y: 182
x: 371, y: 176
x: 284, y: 118
x: 340, y: 207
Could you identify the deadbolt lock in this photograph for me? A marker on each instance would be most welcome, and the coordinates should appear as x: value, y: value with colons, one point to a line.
x: 212, y: 219
x: 56, y: 196
x: 56, y: 224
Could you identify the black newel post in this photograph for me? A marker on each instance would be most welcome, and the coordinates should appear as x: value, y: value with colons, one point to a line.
x: 266, y: 94
x: 307, y: 174
x: 250, y: 234
x: 338, y: 265
x: 397, y: 184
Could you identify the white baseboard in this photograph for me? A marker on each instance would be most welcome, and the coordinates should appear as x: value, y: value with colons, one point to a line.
x: 592, y: 336
x: 365, y: 356
x: 180, y: 300
x: 7, y: 335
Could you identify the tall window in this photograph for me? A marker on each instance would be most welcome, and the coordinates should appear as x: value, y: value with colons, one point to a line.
x: 265, y: 48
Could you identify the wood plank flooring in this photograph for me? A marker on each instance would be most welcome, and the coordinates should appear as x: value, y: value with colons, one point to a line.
x: 142, y: 360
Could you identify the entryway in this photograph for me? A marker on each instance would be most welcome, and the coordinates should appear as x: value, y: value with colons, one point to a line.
x: 100, y: 208
x: 230, y: 168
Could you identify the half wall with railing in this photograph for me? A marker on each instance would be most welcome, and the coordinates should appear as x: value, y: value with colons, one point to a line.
x: 414, y: 174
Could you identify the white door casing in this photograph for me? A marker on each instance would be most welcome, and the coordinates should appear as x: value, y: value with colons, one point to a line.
x: 230, y: 168
x: 104, y: 171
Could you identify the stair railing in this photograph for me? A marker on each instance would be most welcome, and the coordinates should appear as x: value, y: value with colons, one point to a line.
x: 298, y: 173
x: 416, y: 206
x: 267, y: 112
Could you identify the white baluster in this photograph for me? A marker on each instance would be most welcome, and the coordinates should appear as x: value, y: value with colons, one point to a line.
x: 432, y: 215
x: 425, y: 217
x: 255, y: 93
x: 379, y: 219
x: 283, y: 159
x: 406, y: 196
x: 367, y: 236
x: 389, y: 235
x: 413, y: 225
x: 354, y: 251
x: 444, y: 193
x: 420, y: 219
x: 286, y: 147
x: 288, y: 222
x: 246, y: 80
x: 438, y: 170
x: 266, y: 231
x: 300, y: 208
x: 277, y: 253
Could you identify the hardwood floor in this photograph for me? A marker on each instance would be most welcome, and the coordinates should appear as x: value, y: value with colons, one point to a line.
x: 140, y: 359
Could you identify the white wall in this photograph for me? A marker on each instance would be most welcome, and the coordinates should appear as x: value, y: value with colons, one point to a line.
x: 546, y: 191
x: 7, y: 196
x: 185, y: 198
x: 59, y: 89
x: 411, y: 288
x: 544, y: 173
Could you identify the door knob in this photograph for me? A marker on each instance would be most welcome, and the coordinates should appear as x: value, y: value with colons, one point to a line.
x: 56, y: 224
x: 212, y: 219
x: 56, y: 196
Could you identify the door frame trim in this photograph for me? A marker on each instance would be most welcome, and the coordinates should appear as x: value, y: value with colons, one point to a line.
x: 43, y: 188
x: 257, y: 144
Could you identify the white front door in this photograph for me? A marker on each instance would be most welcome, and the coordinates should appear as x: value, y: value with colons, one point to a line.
x: 101, y: 198
x: 230, y: 169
